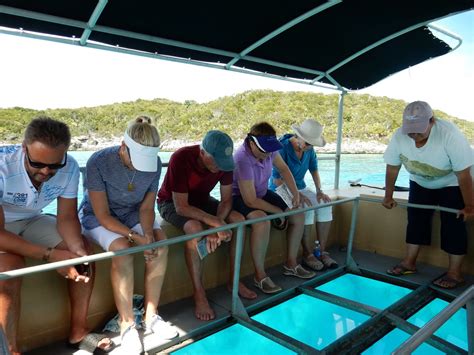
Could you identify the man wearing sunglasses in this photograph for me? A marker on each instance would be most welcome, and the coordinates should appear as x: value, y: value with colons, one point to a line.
x: 33, y: 175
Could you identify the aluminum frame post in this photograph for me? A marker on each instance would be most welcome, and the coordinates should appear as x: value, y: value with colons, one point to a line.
x: 339, y: 138
x: 350, y: 262
x: 238, y: 308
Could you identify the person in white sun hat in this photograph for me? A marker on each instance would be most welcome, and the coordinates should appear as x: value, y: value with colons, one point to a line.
x: 439, y: 159
x: 298, y: 153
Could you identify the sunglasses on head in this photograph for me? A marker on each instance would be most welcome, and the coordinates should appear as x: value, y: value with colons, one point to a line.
x: 38, y: 165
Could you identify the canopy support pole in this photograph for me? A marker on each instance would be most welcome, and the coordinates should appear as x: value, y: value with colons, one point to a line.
x: 339, y: 138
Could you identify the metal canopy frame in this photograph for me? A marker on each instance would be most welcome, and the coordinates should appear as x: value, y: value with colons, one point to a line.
x: 91, y: 26
x: 323, y: 78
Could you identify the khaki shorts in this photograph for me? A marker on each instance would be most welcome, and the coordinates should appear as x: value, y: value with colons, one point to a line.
x: 323, y: 214
x: 40, y: 230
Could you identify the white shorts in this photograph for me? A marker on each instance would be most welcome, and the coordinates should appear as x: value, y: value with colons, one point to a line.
x: 104, y: 237
x: 323, y: 214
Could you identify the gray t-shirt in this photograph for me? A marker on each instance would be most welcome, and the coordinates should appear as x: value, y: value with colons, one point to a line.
x: 106, y: 172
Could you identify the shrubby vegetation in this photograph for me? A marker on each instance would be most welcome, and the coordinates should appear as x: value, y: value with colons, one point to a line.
x: 365, y: 117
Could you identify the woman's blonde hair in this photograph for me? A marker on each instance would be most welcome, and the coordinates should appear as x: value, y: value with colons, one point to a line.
x: 143, y: 132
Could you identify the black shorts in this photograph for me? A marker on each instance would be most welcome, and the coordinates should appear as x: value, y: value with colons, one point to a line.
x: 271, y: 197
x: 453, y: 230
x: 169, y: 214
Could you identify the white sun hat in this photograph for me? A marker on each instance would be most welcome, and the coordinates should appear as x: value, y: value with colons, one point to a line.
x: 310, y: 131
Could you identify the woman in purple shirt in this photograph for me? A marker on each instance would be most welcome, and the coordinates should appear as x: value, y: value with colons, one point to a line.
x: 253, y: 167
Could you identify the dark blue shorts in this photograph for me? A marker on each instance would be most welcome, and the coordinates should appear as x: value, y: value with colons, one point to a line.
x: 271, y: 197
x: 453, y: 230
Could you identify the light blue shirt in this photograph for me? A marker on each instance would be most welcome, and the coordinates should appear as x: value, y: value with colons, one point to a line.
x: 298, y: 167
x: 19, y: 198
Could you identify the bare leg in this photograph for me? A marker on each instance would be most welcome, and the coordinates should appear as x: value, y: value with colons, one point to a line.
x: 412, y: 254
x: 308, y: 241
x: 244, y: 291
x: 155, y: 271
x: 10, y: 300
x: 121, y: 274
x: 259, y: 238
x: 203, y: 310
x: 294, y: 236
x: 322, y: 229
x: 79, y: 298
x: 454, y: 270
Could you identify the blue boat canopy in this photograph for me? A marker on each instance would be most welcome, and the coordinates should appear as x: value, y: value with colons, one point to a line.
x: 342, y: 44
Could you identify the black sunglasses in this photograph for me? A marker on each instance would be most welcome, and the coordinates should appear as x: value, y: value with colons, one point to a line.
x: 38, y: 165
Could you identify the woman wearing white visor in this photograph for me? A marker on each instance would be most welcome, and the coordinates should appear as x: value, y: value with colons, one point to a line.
x: 118, y: 212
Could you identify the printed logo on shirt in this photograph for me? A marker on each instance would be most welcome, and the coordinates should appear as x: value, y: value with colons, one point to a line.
x: 423, y: 170
x: 9, y: 149
x: 19, y: 198
x: 51, y: 192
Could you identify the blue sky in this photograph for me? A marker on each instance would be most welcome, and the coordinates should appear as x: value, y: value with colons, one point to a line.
x: 40, y: 74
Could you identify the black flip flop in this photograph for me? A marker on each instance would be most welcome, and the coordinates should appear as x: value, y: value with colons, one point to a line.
x: 90, y: 343
x: 452, y: 283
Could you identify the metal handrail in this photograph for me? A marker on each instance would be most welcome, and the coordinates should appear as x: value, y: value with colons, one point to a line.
x: 414, y: 205
x: 238, y: 310
x: 137, y: 249
x: 465, y: 298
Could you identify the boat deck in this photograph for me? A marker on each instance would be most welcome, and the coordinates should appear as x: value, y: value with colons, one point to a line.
x: 181, y: 313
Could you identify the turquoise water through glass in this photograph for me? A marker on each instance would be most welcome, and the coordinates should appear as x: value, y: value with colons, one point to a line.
x: 318, y: 323
x: 381, y: 295
x: 370, y: 168
x: 248, y: 342
x: 312, y: 321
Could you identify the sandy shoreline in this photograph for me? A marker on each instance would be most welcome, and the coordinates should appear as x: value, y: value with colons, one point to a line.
x: 91, y: 143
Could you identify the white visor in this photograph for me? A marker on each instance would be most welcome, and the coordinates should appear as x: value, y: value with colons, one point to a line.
x: 143, y: 158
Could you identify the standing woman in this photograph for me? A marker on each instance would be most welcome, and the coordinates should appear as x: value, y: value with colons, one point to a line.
x: 118, y: 212
x: 253, y: 168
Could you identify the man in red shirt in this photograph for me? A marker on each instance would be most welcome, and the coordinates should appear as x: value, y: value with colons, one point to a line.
x: 184, y: 200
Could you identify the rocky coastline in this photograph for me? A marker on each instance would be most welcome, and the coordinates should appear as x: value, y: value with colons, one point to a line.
x: 348, y: 146
x: 93, y: 143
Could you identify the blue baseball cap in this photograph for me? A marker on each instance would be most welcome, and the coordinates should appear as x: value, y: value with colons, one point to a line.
x: 220, y: 146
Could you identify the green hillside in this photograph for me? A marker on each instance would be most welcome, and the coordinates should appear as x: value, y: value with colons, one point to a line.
x: 365, y: 117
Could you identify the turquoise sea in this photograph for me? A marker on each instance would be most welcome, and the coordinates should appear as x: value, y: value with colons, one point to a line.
x: 370, y: 168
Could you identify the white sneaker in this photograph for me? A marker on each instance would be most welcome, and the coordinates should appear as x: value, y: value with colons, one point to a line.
x: 131, y: 343
x: 160, y: 328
